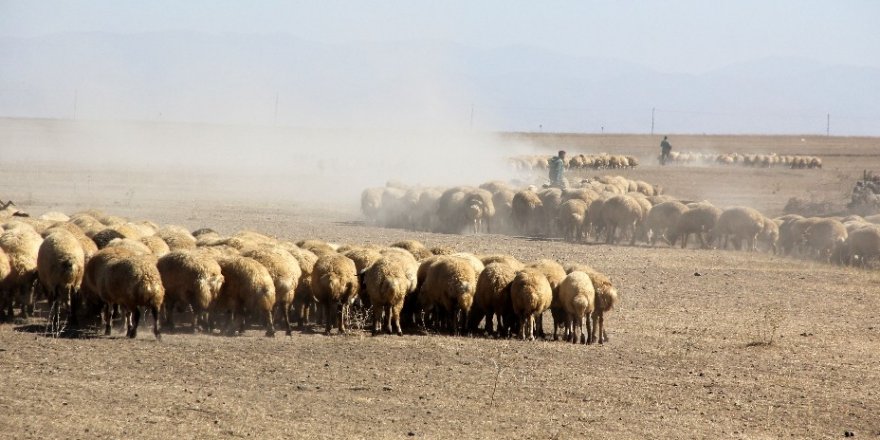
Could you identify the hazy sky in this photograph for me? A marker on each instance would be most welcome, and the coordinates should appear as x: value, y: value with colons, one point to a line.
x: 688, y: 36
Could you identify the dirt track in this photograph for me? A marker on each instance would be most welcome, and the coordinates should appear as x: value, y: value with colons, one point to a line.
x: 756, y: 346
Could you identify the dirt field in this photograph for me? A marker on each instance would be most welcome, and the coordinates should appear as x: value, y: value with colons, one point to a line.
x: 704, y: 344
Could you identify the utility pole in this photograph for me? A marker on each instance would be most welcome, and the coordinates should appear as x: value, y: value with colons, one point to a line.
x: 652, y: 120
x: 275, y: 119
x: 828, y: 124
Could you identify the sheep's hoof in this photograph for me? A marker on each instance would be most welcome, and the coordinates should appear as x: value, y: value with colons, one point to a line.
x: 158, y: 336
x: 289, y: 332
x: 107, y: 331
x: 376, y: 332
x: 400, y: 333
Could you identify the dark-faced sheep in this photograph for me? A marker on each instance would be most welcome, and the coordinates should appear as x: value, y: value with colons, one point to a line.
x: 578, y: 298
x: 335, y: 286
x: 530, y: 297
x: 247, y: 290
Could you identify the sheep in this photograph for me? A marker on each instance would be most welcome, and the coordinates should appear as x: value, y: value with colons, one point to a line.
x: 823, y: 236
x: 5, y: 270
x: 578, y: 298
x: 794, y: 233
x: 416, y: 248
x: 593, y: 223
x: 622, y: 212
x: 334, y: 285
x: 770, y: 234
x: 700, y: 218
x: 530, y: 297
x: 22, y: 247
x: 742, y: 223
x: 131, y: 282
x: 502, y: 199
x: 135, y: 245
x: 105, y: 236
x: 371, y: 203
x: 471, y: 259
x: 606, y: 299
x: 450, y: 284
x: 526, y: 207
x: 504, y: 259
x: 551, y: 200
x: 555, y: 273
x: 317, y: 247
x: 662, y: 219
x: 60, y: 266
x: 388, y: 281
x: 492, y: 297
x: 190, y: 278
x: 862, y: 243
x: 571, y: 219
x: 285, y: 272
x: 247, y: 288
x: 157, y: 246
x: 302, y: 297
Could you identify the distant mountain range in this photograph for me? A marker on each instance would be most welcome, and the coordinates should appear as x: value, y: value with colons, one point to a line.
x: 283, y: 80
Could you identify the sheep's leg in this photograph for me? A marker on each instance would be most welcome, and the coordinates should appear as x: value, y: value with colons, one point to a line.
x: 395, y: 317
x: 377, y: 320
x: 531, y: 327
x: 538, y: 324
x: 155, y: 311
x: 601, y: 325
x: 135, y: 321
x: 270, y: 324
x: 490, y: 327
x: 108, y: 319
x: 168, y: 307
x: 285, y: 313
x: 609, y: 238
x: 632, y: 229
x: 329, y: 318
x: 523, y: 325
x: 388, y: 319
x: 588, y: 337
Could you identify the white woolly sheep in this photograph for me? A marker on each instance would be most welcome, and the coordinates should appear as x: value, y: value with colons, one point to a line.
x: 571, y: 219
x: 823, y: 236
x: 285, y: 272
x: 388, y: 281
x: 530, y: 297
x: 191, y: 278
x: 247, y: 289
x: 60, y: 266
x: 131, y: 282
x: 492, y: 297
x: 21, y: 246
x: 699, y: 219
x: 334, y: 284
x: 662, y: 219
x: 741, y: 223
x: 450, y: 284
x: 622, y: 212
x: 554, y: 273
x: 578, y: 298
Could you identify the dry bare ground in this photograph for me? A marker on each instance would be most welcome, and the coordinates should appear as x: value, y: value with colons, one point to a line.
x: 704, y: 344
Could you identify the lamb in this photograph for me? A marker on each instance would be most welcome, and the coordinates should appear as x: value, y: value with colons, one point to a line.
x: 450, y: 284
x: 554, y: 273
x: 823, y: 236
x: 699, y: 219
x: 492, y: 297
x: 285, y: 273
x: 334, y: 284
x: 578, y: 298
x: 131, y: 282
x: 663, y: 219
x: 530, y: 297
x: 622, y: 212
x: 388, y: 281
x: 742, y: 223
x: 247, y: 288
x: 571, y: 219
x: 191, y: 278
x: 22, y: 247
x: 60, y: 266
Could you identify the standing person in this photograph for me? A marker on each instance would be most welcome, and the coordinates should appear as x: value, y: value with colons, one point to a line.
x: 665, y: 148
x: 557, y: 170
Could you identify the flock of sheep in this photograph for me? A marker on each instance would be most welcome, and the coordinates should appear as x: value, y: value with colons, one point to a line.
x: 91, y: 267
x: 607, y: 161
x: 577, y: 161
x: 748, y: 160
x: 614, y: 208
